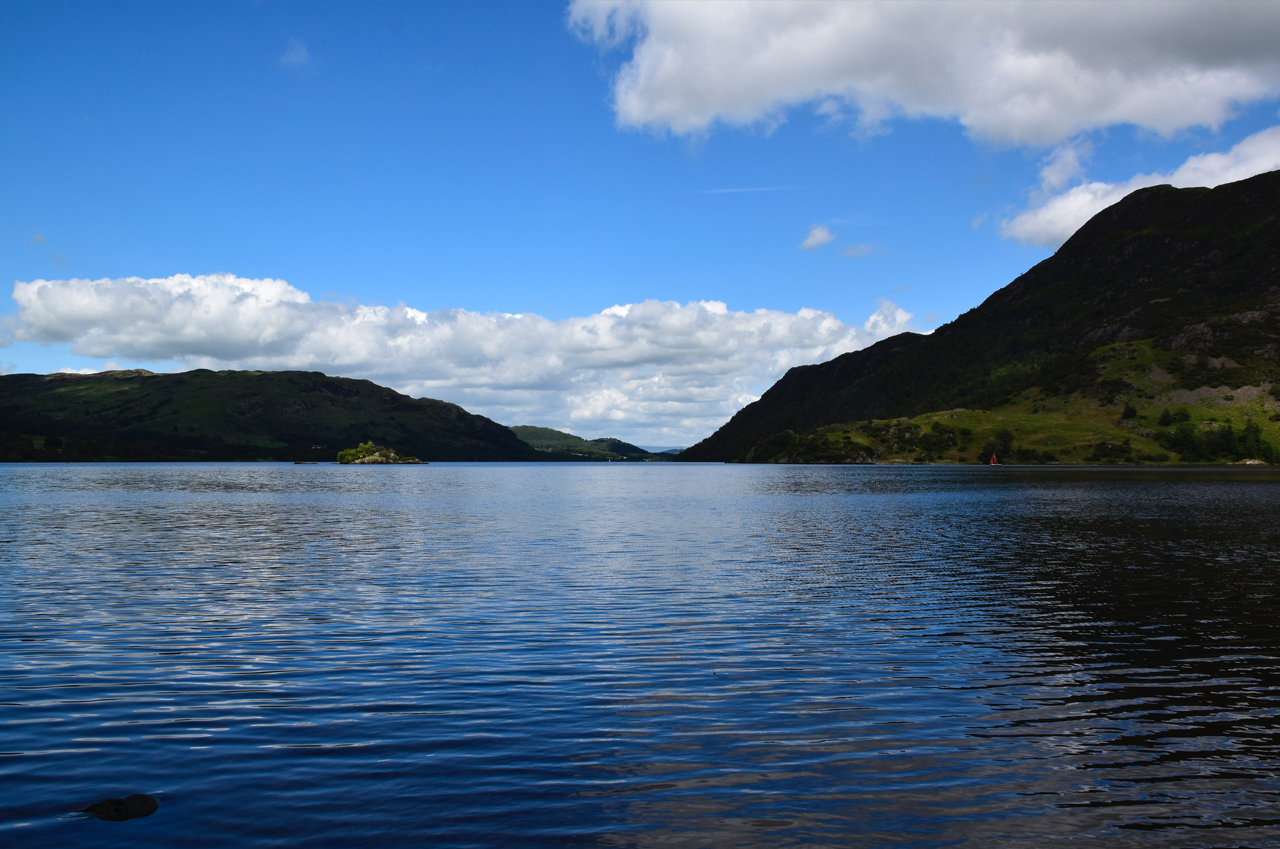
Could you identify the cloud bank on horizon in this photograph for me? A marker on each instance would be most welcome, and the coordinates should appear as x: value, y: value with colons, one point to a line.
x: 657, y: 371
x: 1033, y: 74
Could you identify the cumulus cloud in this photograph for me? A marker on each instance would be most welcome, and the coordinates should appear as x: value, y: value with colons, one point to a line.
x: 36, y: 240
x: 1017, y: 72
x: 659, y: 371
x: 1064, y: 164
x: 817, y: 237
x: 296, y: 54
x: 855, y: 251
x: 1053, y: 221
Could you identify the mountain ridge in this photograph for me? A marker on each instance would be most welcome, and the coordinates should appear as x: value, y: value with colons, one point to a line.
x: 566, y: 447
x: 233, y: 415
x: 1193, y: 271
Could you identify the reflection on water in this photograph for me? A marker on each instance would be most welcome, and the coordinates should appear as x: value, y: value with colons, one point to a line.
x: 657, y: 655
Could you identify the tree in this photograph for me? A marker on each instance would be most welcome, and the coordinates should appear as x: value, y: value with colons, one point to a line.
x: 1004, y: 439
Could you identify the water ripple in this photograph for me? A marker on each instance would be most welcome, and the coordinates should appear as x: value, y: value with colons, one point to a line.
x: 654, y: 655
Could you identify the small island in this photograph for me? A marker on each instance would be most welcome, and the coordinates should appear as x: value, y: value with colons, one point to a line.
x: 369, y: 454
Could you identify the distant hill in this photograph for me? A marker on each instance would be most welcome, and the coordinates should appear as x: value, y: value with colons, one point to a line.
x: 558, y: 445
x: 1170, y: 297
x: 233, y: 415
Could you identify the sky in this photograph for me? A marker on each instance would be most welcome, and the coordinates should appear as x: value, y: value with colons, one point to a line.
x: 615, y: 218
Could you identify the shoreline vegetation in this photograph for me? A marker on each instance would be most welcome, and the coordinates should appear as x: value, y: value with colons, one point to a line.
x: 368, y: 454
x: 1160, y: 421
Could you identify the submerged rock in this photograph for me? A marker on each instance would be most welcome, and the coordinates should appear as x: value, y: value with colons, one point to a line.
x: 118, y: 810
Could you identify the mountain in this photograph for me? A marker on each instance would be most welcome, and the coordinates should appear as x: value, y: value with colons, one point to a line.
x: 1168, y: 291
x: 558, y: 445
x: 233, y: 415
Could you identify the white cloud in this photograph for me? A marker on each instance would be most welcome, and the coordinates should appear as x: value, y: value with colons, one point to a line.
x: 1016, y: 72
x: 817, y: 237
x: 1054, y: 220
x: 107, y: 366
x: 855, y: 251
x: 658, y: 371
x: 296, y: 54
x: 36, y: 240
x: 1064, y: 164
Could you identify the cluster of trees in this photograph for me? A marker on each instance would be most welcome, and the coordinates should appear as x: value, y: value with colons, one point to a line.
x: 368, y: 453
x: 907, y: 437
x: 1214, y: 441
x: 788, y: 447
x: 1218, y: 441
x: 1123, y: 452
x: 878, y: 440
x: 1002, y: 447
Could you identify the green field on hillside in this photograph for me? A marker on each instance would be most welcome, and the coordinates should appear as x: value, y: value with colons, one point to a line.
x: 1142, y: 409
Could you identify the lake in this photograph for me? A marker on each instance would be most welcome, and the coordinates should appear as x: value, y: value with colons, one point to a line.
x: 650, y: 655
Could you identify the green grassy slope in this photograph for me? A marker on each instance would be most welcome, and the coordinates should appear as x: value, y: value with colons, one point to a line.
x: 1192, y: 274
x: 558, y: 445
x: 1159, y: 421
x: 232, y: 415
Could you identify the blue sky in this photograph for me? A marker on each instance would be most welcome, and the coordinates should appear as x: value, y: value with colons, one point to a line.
x: 492, y: 159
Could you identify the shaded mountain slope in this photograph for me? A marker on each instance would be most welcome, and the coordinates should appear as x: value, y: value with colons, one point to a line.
x: 1191, y: 271
x: 233, y: 415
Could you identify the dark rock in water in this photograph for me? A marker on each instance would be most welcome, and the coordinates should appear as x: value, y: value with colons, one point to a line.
x: 118, y: 810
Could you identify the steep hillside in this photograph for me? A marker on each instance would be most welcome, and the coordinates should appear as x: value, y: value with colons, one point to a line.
x: 233, y: 415
x: 1192, y: 274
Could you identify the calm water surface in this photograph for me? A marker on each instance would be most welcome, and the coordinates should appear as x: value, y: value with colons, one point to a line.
x: 673, y: 656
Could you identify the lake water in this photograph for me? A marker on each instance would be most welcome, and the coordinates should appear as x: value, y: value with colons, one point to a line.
x: 661, y: 655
